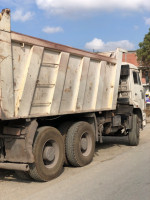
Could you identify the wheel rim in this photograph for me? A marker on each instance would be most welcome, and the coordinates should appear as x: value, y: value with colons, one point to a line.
x: 50, y: 153
x: 85, y: 144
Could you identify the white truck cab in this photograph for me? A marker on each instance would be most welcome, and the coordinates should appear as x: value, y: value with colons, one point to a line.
x: 131, y: 89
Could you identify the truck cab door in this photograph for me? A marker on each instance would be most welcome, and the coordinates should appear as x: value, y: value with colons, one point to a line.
x: 137, y: 90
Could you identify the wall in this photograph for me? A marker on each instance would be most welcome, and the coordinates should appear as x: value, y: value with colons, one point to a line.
x: 130, y: 57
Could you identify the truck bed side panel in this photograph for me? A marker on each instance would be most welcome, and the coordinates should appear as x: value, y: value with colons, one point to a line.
x: 40, y: 78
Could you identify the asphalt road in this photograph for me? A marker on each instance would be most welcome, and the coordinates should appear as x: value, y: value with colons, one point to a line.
x: 118, y: 172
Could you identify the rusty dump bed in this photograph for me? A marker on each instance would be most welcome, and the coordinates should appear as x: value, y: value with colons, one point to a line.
x: 41, y: 78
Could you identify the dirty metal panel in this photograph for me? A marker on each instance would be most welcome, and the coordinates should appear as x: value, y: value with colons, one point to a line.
x: 50, y: 57
x: 29, y: 81
x: 6, y: 79
x: 107, y: 97
x: 92, y: 86
x: 47, y: 44
x: 11, y: 131
x: 116, y: 78
x: 72, y: 83
x: 60, y: 82
x: 5, y: 20
x: 20, y: 56
x: 111, y: 87
x: 46, y: 82
x: 101, y: 85
x: 83, y: 81
x: 15, y: 150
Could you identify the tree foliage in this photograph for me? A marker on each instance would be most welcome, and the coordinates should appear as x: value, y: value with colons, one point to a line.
x: 143, y: 53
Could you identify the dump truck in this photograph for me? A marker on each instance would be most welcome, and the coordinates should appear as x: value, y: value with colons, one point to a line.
x: 56, y: 102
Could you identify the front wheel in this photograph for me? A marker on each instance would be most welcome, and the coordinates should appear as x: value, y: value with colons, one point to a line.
x: 48, y: 152
x: 134, y: 133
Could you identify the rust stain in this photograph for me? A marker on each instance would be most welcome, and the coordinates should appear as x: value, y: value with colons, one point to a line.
x: 78, y: 108
x: 90, y: 86
x: 4, y: 41
x: 2, y: 58
x: 68, y: 89
x: 5, y: 10
x: 19, y: 58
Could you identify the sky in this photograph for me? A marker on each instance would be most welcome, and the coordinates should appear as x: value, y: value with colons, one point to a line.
x: 92, y: 25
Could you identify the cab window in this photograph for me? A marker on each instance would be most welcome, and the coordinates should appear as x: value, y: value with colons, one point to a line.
x: 136, y: 78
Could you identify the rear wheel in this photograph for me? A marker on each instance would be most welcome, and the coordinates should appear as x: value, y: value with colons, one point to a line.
x: 48, y: 152
x: 63, y: 128
x: 134, y: 133
x: 80, y: 144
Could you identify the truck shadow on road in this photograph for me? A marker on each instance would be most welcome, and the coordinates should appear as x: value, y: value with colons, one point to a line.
x: 109, y: 142
x: 7, y: 175
x: 11, y: 176
x: 112, y: 140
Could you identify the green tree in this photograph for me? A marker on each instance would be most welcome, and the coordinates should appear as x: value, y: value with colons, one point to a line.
x: 143, y: 53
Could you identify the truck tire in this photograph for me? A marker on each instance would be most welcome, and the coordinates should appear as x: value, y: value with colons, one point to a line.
x: 80, y: 144
x: 63, y: 128
x: 48, y: 150
x: 134, y: 133
x: 23, y: 175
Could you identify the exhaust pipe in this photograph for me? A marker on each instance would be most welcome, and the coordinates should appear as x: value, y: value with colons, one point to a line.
x: 14, y: 166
